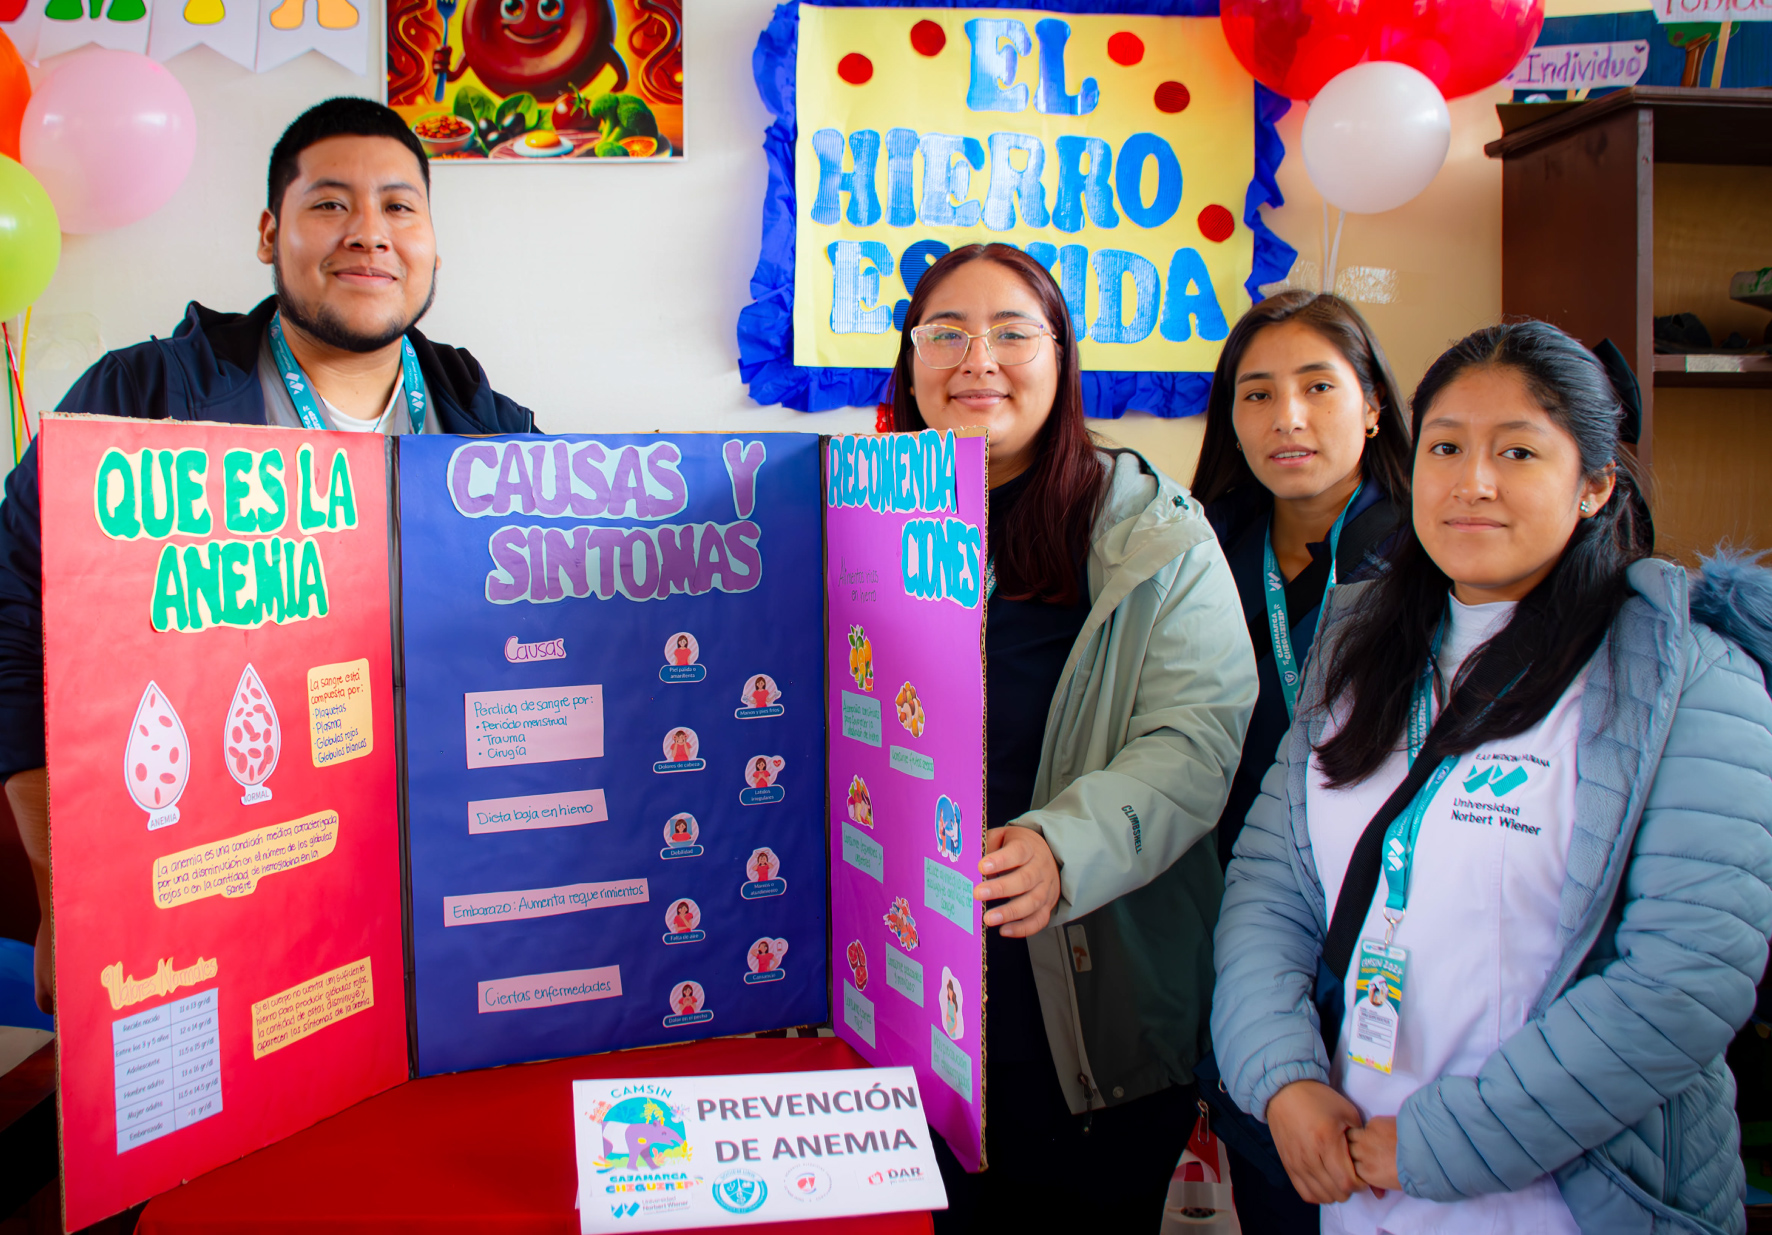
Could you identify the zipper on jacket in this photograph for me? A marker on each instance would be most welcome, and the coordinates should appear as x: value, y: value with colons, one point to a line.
x: 1088, y: 1101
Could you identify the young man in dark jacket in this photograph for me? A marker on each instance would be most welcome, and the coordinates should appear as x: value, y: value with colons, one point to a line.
x: 347, y: 234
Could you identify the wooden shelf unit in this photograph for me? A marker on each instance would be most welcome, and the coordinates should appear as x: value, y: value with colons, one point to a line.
x: 1644, y: 203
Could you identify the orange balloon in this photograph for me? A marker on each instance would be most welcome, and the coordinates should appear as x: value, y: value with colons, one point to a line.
x: 15, y: 92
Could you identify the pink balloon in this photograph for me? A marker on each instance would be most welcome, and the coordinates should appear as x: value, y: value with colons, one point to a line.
x: 111, y: 135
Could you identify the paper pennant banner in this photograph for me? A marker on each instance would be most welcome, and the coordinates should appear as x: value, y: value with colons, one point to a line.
x: 335, y: 28
x: 229, y: 26
x: 118, y: 24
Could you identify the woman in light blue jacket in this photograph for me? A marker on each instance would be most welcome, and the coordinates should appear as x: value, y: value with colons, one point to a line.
x: 1567, y: 896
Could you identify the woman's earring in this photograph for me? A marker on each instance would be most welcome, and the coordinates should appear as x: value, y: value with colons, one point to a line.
x: 1583, y: 507
x: 1239, y: 445
x: 1372, y: 429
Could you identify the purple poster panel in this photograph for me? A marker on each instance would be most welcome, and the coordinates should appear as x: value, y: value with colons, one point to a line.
x: 904, y: 569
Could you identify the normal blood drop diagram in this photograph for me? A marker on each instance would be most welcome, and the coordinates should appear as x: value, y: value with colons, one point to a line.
x: 253, y: 738
x: 157, y: 761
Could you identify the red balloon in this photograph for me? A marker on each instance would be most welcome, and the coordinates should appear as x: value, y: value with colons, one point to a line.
x: 15, y: 92
x: 1294, y: 47
x: 1462, y: 46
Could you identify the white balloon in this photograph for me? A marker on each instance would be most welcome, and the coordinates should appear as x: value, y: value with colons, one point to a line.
x: 1375, y: 136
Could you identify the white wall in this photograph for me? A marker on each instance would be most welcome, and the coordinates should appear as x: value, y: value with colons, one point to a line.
x: 606, y: 297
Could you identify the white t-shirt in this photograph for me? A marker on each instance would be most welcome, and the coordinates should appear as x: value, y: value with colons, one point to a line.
x: 1481, y: 929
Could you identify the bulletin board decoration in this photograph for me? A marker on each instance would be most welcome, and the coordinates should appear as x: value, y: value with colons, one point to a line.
x: 798, y: 348
x: 565, y: 80
x: 904, y: 587
x: 1682, y: 43
x: 257, y: 34
x: 616, y: 741
x: 228, y: 963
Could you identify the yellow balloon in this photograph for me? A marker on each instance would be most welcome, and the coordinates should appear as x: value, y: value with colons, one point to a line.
x: 30, y: 239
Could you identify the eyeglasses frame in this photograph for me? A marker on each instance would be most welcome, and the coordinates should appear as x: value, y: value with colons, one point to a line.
x: 1039, y: 327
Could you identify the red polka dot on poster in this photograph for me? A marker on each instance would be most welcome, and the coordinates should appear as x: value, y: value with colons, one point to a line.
x: 1217, y: 224
x: 928, y: 38
x: 856, y: 69
x: 1125, y: 48
x: 1172, y: 97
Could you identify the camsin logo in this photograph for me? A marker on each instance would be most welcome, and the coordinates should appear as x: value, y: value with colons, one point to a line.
x: 1499, y: 785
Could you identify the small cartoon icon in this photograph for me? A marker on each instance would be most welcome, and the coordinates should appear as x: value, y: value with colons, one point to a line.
x: 910, y: 709
x: 952, y: 1001
x: 681, y: 654
x: 1378, y: 990
x: 763, y: 866
x: 156, y: 759
x: 947, y: 828
x: 681, y: 830
x: 760, y: 772
x: 902, y: 925
x: 760, y: 698
x: 861, y: 658
x: 763, y: 771
x: 764, y: 959
x: 688, y: 1004
x: 858, y: 964
x: 252, y: 738
x: 861, y: 806
x: 636, y: 1132
x: 684, y: 916
x: 682, y: 751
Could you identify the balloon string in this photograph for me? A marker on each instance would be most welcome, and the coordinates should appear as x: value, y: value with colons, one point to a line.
x: 1323, y: 284
x: 1335, y: 251
x: 15, y: 398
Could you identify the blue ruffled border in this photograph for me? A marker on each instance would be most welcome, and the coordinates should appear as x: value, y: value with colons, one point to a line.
x: 766, y: 325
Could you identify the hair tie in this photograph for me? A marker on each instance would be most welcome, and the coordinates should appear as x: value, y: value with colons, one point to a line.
x: 1624, y: 384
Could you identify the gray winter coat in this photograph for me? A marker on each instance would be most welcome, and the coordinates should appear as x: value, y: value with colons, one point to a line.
x: 1140, y: 746
x: 1616, y: 1084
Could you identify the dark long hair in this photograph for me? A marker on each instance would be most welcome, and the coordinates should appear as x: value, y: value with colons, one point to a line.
x: 1222, y: 466
x: 1554, y: 630
x: 1049, y: 529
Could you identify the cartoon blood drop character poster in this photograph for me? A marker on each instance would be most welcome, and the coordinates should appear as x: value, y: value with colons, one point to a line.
x: 252, y: 738
x: 157, y: 760
x: 539, y: 79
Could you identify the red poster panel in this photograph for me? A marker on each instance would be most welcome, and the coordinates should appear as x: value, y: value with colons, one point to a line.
x: 223, y: 831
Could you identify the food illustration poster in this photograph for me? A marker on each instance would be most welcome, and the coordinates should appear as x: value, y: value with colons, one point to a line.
x: 221, y: 740
x: 539, y: 79
x: 905, y: 557
x: 564, y: 808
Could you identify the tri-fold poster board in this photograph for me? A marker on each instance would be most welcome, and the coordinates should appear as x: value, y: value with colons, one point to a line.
x: 378, y: 758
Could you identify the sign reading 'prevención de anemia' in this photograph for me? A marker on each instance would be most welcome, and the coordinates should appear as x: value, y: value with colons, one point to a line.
x: 1115, y: 149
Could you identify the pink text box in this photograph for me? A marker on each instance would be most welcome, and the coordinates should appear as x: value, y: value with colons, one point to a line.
x: 483, y: 907
x: 542, y: 725
x: 550, y: 990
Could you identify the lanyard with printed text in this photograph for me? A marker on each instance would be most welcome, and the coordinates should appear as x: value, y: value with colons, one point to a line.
x: 302, y: 395
x: 1279, y: 623
x: 1399, y: 838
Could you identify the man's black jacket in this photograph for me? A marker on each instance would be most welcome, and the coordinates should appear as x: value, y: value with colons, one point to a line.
x: 207, y: 370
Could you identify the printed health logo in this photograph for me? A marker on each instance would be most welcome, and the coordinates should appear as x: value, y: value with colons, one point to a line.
x: 740, y: 1192
x: 1500, y: 783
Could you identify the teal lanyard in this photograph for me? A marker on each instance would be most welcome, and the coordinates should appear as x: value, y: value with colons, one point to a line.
x: 1279, y: 624
x: 302, y: 395
x: 1399, y: 838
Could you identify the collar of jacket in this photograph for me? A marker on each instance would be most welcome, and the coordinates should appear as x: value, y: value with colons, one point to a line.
x: 222, y: 361
x: 1147, y: 521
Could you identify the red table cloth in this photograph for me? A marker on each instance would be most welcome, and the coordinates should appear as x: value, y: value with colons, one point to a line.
x: 488, y: 1151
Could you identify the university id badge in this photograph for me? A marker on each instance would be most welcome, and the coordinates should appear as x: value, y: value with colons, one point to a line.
x: 1378, y: 1004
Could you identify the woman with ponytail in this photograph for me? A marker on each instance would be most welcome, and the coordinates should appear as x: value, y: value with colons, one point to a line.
x: 1120, y: 681
x: 1527, y: 789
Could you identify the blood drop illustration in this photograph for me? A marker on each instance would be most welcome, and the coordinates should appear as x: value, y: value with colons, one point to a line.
x: 157, y: 761
x: 252, y: 738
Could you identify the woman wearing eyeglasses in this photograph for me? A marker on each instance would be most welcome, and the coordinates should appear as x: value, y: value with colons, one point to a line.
x: 1120, y: 680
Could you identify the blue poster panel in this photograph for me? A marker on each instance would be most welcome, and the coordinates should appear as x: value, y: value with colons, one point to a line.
x: 615, y: 740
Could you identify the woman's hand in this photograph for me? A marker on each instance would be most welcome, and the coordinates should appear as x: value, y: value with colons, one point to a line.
x: 1311, y: 1123
x: 1374, y: 1148
x: 1026, y: 871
